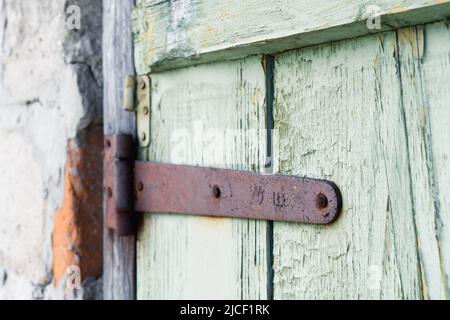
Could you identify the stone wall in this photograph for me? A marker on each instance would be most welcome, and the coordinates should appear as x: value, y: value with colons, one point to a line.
x: 50, y: 149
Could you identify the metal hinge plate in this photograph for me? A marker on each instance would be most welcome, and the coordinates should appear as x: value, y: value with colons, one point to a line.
x: 137, y: 99
x: 167, y: 188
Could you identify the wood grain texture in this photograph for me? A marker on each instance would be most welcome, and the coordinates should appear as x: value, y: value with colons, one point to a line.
x: 425, y: 73
x: 208, y: 115
x: 338, y: 109
x: 171, y: 34
x: 118, y: 252
x: 369, y: 113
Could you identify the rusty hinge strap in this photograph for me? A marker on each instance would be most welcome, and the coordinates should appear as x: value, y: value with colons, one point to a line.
x: 237, y: 194
x: 168, y: 188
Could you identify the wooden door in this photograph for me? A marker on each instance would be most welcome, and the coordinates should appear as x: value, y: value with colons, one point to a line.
x: 367, y: 108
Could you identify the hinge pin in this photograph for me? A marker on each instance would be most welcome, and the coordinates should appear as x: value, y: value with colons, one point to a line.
x: 118, y: 183
x: 130, y: 94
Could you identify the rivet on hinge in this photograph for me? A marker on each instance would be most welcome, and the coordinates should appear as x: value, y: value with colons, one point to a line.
x: 137, y: 99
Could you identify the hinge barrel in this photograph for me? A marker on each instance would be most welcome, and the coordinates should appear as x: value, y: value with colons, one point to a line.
x: 118, y: 184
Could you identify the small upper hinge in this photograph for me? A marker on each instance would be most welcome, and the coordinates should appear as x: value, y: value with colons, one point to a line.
x: 137, y: 98
x: 118, y: 184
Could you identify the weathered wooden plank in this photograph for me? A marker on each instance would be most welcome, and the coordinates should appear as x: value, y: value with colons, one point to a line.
x: 171, y: 34
x: 208, y: 115
x: 119, y: 252
x: 338, y: 109
x: 425, y: 73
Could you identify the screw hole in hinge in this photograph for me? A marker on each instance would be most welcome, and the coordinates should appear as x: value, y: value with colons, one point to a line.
x: 140, y: 187
x: 109, y: 192
x: 108, y: 144
x: 142, y: 84
x: 216, y: 192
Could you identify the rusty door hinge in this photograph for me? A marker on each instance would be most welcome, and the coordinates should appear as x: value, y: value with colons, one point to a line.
x: 136, y: 186
x: 118, y: 184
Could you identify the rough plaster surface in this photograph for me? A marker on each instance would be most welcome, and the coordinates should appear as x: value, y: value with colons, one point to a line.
x: 50, y: 89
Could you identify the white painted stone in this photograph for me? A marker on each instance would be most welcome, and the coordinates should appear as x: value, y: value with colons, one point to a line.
x: 50, y: 88
x: 23, y: 229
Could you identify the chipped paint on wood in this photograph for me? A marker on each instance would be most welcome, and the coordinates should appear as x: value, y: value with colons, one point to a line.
x: 371, y: 114
x: 339, y: 111
x: 185, y: 33
x: 425, y: 76
x: 196, y: 257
